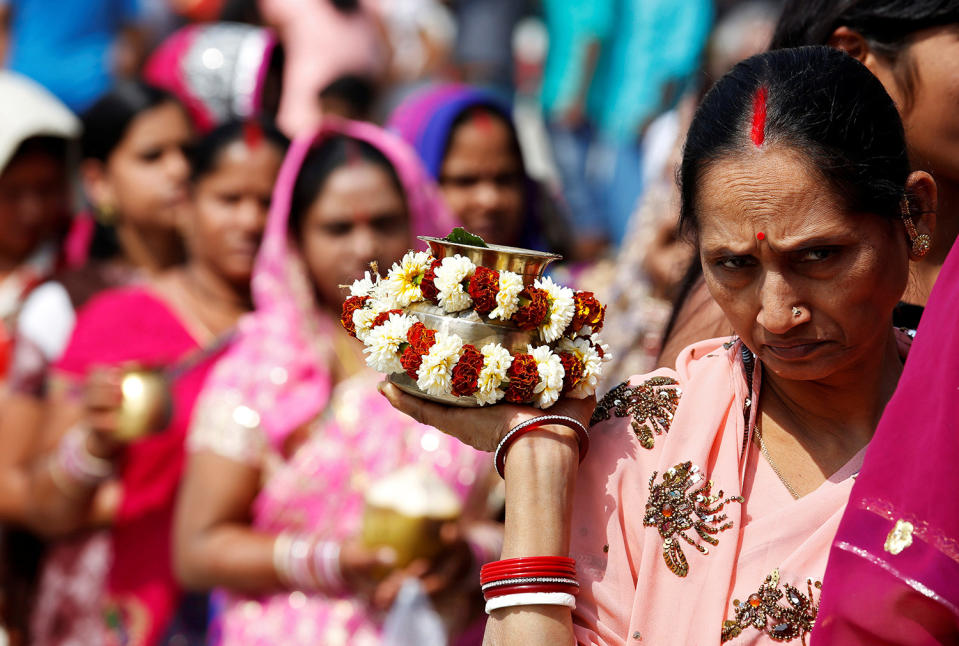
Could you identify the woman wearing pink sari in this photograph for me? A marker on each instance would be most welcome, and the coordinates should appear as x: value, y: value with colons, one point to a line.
x: 704, y: 510
x: 290, y: 431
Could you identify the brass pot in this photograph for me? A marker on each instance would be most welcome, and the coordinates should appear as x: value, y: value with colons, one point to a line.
x: 405, y: 511
x: 468, y: 325
x: 528, y: 263
x: 473, y: 329
x: 146, y: 407
x: 410, y: 537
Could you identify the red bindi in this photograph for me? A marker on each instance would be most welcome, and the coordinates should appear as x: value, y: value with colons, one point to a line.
x: 760, y: 236
x: 482, y: 120
x: 758, y: 132
x: 252, y: 134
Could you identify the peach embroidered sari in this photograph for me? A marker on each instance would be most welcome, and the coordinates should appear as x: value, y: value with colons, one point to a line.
x: 664, y: 558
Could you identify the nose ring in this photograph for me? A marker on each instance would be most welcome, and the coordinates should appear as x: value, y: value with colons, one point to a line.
x: 796, y: 312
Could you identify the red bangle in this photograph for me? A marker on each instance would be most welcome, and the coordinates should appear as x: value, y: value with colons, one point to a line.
x: 527, y: 564
x: 532, y: 587
x: 488, y: 577
x: 582, y: 437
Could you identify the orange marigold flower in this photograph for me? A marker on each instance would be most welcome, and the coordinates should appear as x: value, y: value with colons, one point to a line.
x: 588, y: 311
x: 523, y: 377
x: 427, y: 285
x: 533, y: 308
x: 466, y: 371
x: 350, y: 305
x: 573, y: 370
x: 483, y: 287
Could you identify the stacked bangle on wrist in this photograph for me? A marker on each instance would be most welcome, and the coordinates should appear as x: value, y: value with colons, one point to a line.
x: 303, y: 563
x: 535, y: 580
x: 582, y: 437
x: 74, y: 461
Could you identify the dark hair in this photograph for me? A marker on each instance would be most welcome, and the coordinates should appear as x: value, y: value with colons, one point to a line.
x: 107, y: 121
x: 346, y: 6
x: 205, y: 154
x: 331, y: 154
x: 885, y: 24
x: 105, y: 124
x: 818, y: 101
x: 55, y: 147
x: 357, y: 92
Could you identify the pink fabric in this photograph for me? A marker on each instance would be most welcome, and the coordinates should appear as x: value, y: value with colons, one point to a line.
x: 321, y: 44
x: 285, y: 307
x: 132, y: 325
x: 319, y: 492
x: 410, y: 118
x: 279, y: 369
x: 873, y: 595
x: 628, y: 593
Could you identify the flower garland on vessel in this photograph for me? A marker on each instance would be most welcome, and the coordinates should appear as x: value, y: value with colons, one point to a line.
x: 567, y: 360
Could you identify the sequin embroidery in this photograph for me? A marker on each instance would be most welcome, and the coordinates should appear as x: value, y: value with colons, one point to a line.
x: 674, y: 507
x: 763, y: 611
x: 900, y: 537
x: 651, y: 404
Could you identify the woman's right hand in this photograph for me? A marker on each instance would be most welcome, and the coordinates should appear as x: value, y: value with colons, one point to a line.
x: 484, y: 427
x: 103, y: 396
x: 363, y: 567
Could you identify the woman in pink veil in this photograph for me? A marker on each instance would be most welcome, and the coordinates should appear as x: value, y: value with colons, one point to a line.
x: 290, y: 431
x: 893, y: 573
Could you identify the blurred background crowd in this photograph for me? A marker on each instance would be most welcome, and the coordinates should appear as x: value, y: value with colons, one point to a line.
x: 150, y: 200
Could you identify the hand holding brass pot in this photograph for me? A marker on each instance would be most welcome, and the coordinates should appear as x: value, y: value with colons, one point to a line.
x: 146, y: 406
x: 405, y: 511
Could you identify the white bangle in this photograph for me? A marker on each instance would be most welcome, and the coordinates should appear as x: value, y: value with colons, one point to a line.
x: 281, y: 558
x: 531, y: 599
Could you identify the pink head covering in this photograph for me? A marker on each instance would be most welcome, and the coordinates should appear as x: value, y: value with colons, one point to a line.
x: 217, y: 70
x: 893, y: 573
x: 279, y: 364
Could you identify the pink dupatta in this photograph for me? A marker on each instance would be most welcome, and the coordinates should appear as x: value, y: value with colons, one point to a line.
x: 291, y: 370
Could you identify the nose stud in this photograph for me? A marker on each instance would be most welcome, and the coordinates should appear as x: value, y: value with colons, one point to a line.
x: 796, y: 312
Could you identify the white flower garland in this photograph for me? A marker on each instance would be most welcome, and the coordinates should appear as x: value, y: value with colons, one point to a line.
x: 386, y: 342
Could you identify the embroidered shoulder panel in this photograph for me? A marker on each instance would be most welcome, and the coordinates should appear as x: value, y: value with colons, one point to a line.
x: 676, y: 506
x: 782, y: 612
x: 651, y: 405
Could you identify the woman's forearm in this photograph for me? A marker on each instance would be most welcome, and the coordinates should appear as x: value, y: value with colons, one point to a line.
x: 231, y: 556
x: 540, y: 481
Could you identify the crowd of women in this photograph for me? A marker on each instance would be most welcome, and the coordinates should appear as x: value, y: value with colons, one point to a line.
x: 779, y: 468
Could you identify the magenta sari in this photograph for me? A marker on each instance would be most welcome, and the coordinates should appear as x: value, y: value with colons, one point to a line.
x: 893, y: 575
x: 121, y: 589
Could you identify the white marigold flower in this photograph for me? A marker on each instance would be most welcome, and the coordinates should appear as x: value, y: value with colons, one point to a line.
x: 362, y: 286
x: 363, y: 322
x: 583, y: 350
x: 435, y: 375
x: 561, y: 309
x: 402, y: 284
x: 496, y: 361
x: 551, y: 375
x: 450, y: 275
x: 383, y: 343
x: 507, y: 298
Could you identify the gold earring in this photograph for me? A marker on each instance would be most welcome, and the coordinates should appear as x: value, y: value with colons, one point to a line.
x: 921, y: 242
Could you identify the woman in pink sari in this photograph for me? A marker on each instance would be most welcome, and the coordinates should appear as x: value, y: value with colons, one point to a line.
x: 290, y: 432
x: 704, y: 510
x: 116, y: 586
